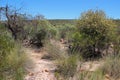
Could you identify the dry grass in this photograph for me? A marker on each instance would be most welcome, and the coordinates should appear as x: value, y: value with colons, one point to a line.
x: 13, y: 65
x: 112, y: 67
x: 67, y: 67
x: 54, y: 51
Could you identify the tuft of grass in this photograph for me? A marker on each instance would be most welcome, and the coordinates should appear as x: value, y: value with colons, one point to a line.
x: 112, y: 66
x: 13, y: 65
x: 86, y: 75
x: 12, y: 58
x: 54, y: 51
x: 67, y: 67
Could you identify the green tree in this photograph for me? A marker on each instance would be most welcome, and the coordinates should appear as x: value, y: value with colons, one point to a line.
x: 96, y: 33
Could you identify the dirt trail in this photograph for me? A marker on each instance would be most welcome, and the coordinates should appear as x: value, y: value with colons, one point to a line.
x: 43, y: 69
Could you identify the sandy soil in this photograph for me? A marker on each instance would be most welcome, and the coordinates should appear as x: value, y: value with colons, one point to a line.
x: 43, y: 69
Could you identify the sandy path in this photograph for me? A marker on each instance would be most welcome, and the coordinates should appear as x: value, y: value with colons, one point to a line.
x: 43, y: 68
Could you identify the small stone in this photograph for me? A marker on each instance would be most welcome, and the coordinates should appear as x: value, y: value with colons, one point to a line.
x: 31, y: 74
x: 107, y: 76
x: 46, y: 70
x: 82, y: 70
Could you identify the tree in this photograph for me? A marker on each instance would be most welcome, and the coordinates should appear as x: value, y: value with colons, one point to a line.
x: 96, y: 33
x: 14, y: 21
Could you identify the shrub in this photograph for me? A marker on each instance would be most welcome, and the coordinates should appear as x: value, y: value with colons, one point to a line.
x: 66, y: 30
x: 14, y: 64
x: 95, y: 33
x: 54, y: 51
x: 38, y: 38
x: 6, y: 43
x: 44, y: 30
x: 53, y: 32
x: 112, y: 66
x: 86, y: 75
x: 67, y: 66
x: 12, y: 58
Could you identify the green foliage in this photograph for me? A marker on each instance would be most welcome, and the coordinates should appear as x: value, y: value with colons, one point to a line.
x: 66, y: 31
x: 67, y: 66
x: 57, y: 22
x: 53, y: 50
x: 112, y: 66
x: 117, y: 21
x: 53, y: 32
x: 95, y: 33
x: 6, y: 43
x: 12, y: 58
x: 14, y: 65
x: 37, y: 34
x: 86, y: 75
x: 116, y: 44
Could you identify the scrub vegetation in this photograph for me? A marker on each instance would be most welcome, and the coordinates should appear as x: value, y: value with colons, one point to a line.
x: 93, y: 37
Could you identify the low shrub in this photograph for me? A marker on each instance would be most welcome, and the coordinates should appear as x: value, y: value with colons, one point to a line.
x: 67, y: 67
x: 12, y: 58
x: 86, y: 75
x: 13, y: 65
x: 112, y: 66
x: 37, y: 34
x: 54, y: 51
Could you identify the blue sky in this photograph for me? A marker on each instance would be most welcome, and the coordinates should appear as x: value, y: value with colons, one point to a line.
x: 64, y: 9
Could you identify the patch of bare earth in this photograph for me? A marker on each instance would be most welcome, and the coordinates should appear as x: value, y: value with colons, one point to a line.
x: 42, y: 69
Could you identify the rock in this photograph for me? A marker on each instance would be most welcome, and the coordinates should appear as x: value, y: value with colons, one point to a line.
x: 107, y: 77
x: 46, y: 70
x: 31, y: 74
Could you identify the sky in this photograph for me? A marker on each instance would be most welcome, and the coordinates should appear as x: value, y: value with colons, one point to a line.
x: 64, y: 9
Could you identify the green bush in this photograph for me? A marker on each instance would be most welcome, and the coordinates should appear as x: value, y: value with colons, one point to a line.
x: 14, y: 64
x: 38, y: 38
x: 6, y: 43
x: 66, y: 30
x: 44, y: 30
x: 94, y: 34
x: 12, y: 58
x: 53, y: 32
